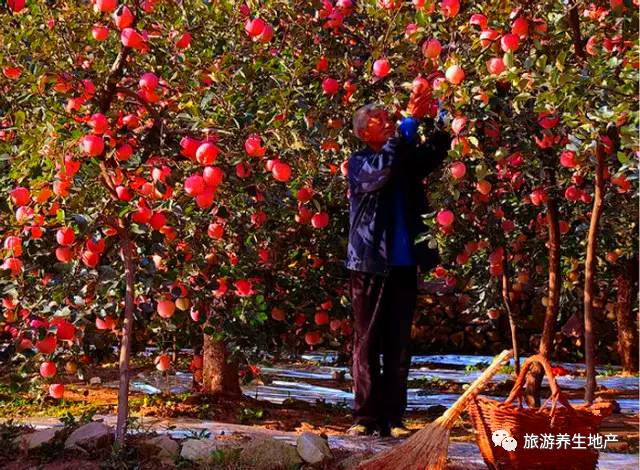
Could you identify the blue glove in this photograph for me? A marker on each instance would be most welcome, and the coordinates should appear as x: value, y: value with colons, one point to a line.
x: 408, y: 128
x: 444, y: 118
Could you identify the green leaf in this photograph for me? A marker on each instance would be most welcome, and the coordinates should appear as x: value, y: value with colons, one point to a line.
x: 19, y: 117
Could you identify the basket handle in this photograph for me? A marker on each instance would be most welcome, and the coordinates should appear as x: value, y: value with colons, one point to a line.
x: 556, y: 393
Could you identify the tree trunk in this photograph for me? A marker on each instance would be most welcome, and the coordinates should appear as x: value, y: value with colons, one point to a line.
x: 220, y: 372
x: 589, y: 278
x: 576, y: 35
x: 626, y: 285
x: 127, y: 336
x: 506, y: 300
x: 534, y: 379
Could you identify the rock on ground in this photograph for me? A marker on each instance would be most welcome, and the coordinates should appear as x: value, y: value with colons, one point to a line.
x: 198, y: 450
x: 90, y: 436
x: 165, y: 448
x: 352, y: 461
x: 270, y: 454
x: 312, y: 448
x: 35, y: 439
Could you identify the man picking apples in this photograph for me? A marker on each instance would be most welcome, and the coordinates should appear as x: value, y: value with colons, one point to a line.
x: 387, y: 198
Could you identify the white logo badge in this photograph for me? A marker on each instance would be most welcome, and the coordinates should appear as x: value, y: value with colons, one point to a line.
x: 503, y: 438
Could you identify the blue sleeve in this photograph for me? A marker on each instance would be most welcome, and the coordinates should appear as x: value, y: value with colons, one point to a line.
x: 371, y: 172
x: 433, y: 152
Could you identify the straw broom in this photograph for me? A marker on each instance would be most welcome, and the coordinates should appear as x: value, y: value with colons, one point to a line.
x: 428, y: 448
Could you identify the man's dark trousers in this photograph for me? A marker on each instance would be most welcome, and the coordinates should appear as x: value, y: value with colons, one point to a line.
x: 383, y: 311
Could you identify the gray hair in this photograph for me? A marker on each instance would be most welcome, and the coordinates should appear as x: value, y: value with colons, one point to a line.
x: 361, y: 116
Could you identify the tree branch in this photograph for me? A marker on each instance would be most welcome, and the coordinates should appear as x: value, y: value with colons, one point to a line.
x: 112, y: 80
x: 574, y: 22
x: 132, y: 94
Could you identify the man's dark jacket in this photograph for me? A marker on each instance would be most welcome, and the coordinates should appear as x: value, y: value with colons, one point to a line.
x: 374, y: 177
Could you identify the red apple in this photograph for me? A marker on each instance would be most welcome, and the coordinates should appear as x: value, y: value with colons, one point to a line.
x: 133, y: 39
x: 488, y: 36
x: 277, y: 314
x: 510, y: 42
x: 330, y: 86
x: 16, y: 6
x: 65, y: 236
x: 449, y: 8
x: 215, y: 231
x: 123, y: 193
x: 64, y: 330
x: 304, y: 194
x: 254, y: 27
x: 20, y: 196
x: 520, y: 27
x: 281, y: 171
x: 381, y: 68
x: 194, y: 185
x: 92, y: 145
x: 568, y: 159
x: 158, y: 220
x: 212, y: 175
x: 48, y: 369
x: 122, y: 17
x: 483, y: 187
x: 445, y: 218
x: 253, y: 146
x: 207, y: 153
x: 206, y: 197
x: 106, y: 323
x: 321, y: 318
x: 313, y: 338
x: 189, y: 147
x: 495, y: 66
x: 99, y: 32
x: 432, y: 48
x: 478, y: 19
x: 166, y: 308
x: 99, y: 123
x: 124, y: 152
x: 63, y: 254
x: 56, y: 391
x: 454, y: 74
x: 320, y: 220
x: 13, y: 245
x: 184, y: 40
x: 46, y: 345
x: 106, y: 6
x: 148, y: 81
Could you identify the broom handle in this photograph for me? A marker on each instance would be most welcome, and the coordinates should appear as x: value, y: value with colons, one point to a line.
x: 454, y: 411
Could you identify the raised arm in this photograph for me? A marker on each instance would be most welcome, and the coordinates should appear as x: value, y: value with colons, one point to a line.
x: 430, y: 155
x: 372, y: 172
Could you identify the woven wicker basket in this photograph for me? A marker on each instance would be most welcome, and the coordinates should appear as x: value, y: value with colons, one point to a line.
x: 489, y: 415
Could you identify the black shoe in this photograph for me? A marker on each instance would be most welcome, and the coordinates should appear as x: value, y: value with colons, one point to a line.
x: 384, y: 430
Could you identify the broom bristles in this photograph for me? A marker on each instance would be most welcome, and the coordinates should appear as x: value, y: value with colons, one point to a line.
x: 425, y: 450
x: 428, y: 449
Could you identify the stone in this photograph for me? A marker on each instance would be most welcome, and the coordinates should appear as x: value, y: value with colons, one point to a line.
x: 198, y: 450
x: 90, y: 436
x: 312, y: 448
x: 270, y: 454
x: 613, y: 405
x: 166, y: 449
x: 36, y: 439
x: 351, y: 462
